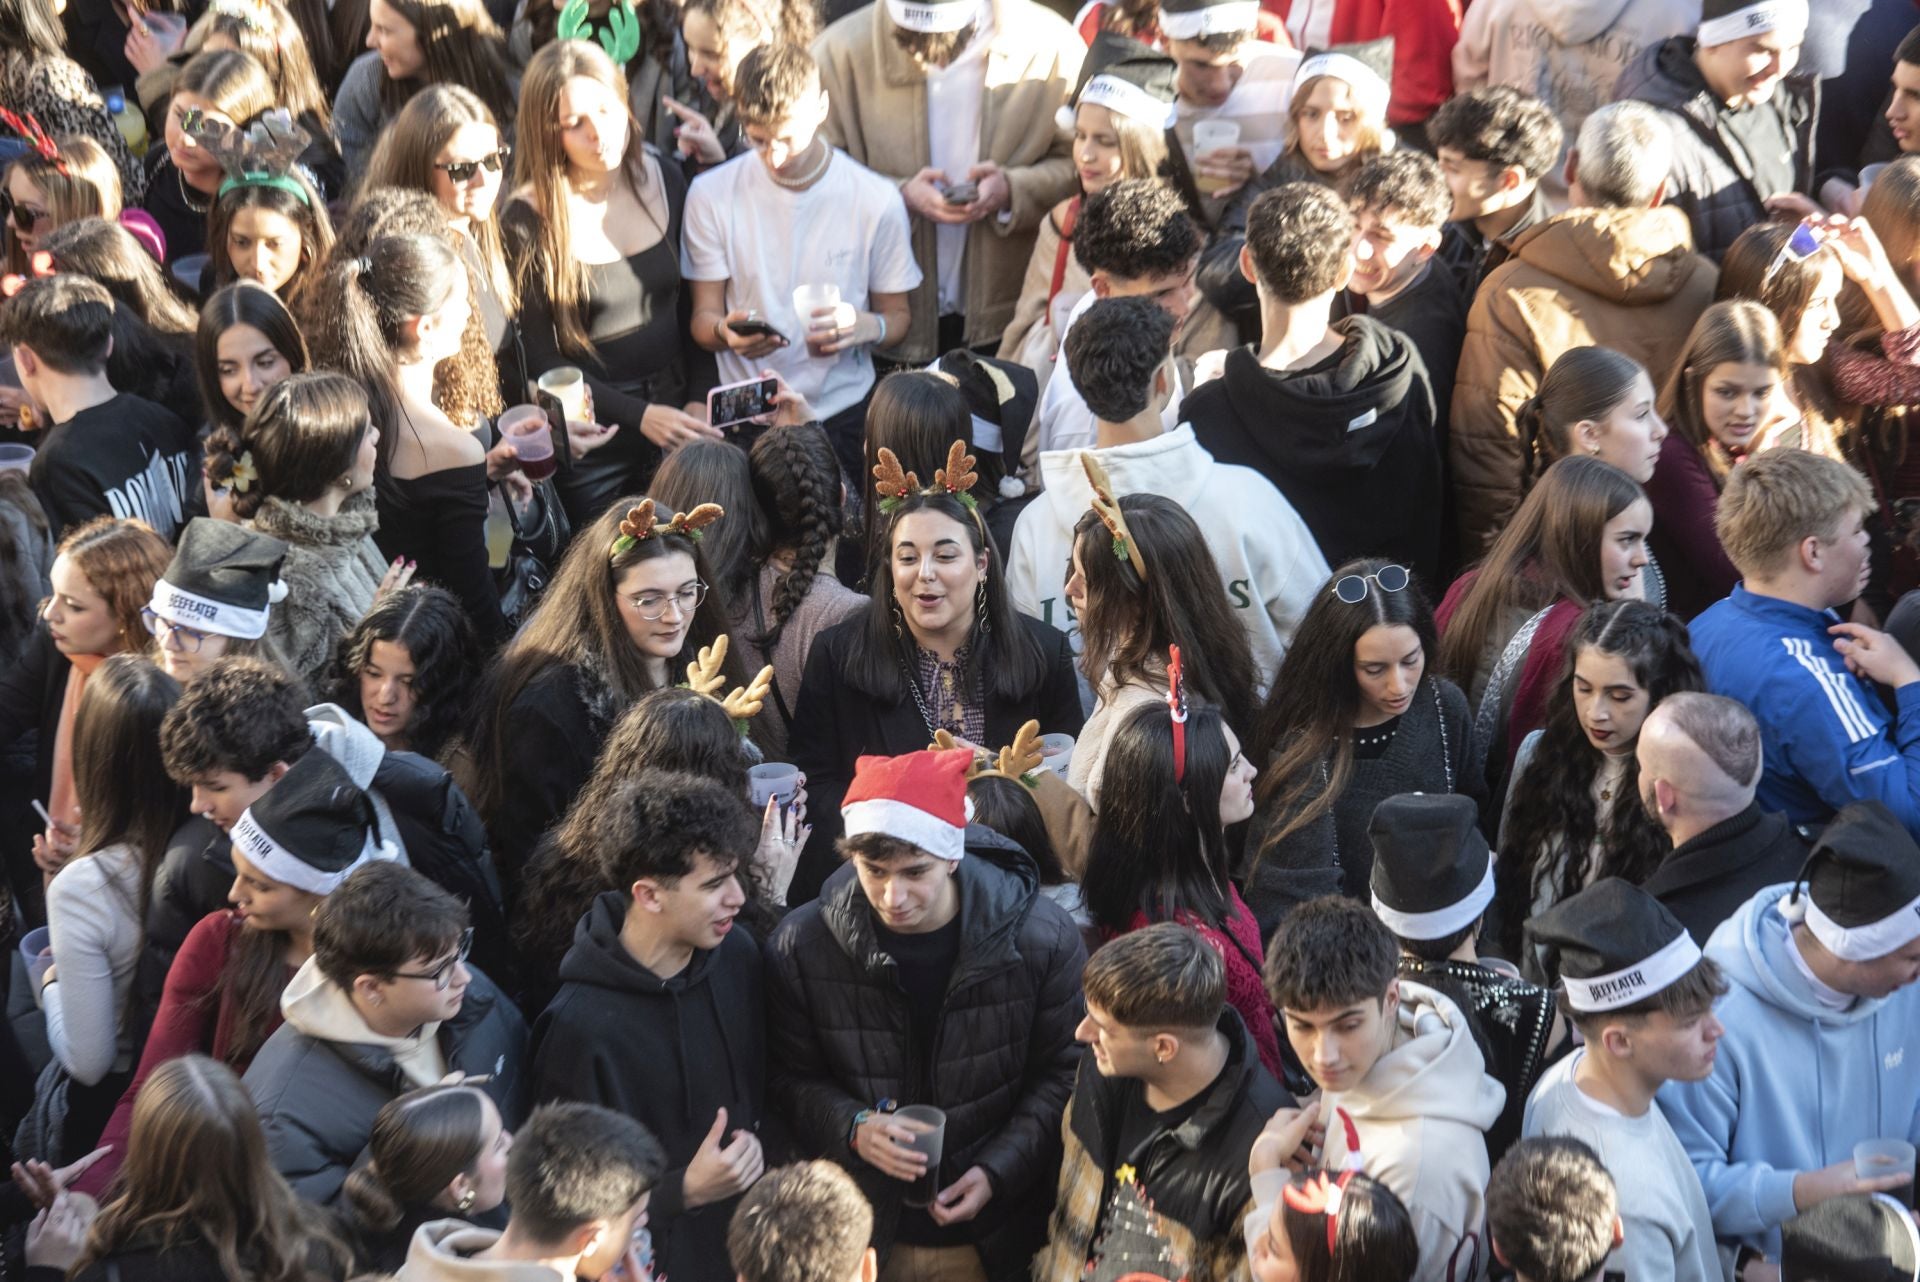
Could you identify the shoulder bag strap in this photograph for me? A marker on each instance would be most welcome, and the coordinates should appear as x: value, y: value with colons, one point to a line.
x: 1494, y: 697
x: 1064, y: 252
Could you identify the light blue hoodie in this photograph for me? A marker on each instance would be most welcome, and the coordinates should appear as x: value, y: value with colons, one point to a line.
x: 1796, y: 1085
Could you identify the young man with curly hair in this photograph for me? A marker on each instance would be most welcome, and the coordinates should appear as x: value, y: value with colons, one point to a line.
x: 1496, y: 146
x: 659, y: 1013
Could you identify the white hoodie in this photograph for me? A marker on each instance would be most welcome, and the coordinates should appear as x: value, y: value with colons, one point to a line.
x: 1269, y: 563
x: 1422, y: 1115
x: 444, y: 1251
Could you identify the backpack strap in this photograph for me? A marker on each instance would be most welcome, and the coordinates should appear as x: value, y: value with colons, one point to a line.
x: 1065, y: 250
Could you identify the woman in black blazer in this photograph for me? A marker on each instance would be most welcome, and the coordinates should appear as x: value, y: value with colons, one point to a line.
x: 938, y: 648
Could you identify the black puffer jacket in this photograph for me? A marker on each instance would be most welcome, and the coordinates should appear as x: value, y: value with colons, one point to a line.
x: 1711, y: 181
x: 1195, y: 1174
x: 317, y: 1099
x: 839, y: 1039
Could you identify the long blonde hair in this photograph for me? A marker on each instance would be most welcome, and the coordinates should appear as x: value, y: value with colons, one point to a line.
x: 89, y: 187
x: 540, y: 172
x: 405, y: 158
x: 1371, y: 139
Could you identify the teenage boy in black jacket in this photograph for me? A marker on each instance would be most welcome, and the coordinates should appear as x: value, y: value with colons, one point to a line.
x: 930, y: 971
x: 1164, y: 1114
x: 1338, y: 414
x: 659, y: 1013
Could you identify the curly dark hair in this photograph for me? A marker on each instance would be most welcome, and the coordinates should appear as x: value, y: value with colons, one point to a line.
x: 1501, y: 125
x: 241, y: 714
x: 1407, y: 183
x: 1553, y: 807
x: 1135, y: 228
x: 1113, y: 352
x: 796, y: 484
x: 1300, y: 235
x: 430, y: 625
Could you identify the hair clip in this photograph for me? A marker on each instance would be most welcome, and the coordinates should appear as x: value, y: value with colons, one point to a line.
x: 957, y: 478
x: 705, y: 676
x: 39, y: 266
x: 1015, y: 761
x: 264, y: 154
x: 1107, y: 507
x: 243, y: 476
x: 1177, y: 708
x: 1322, y: 1194
x: 620, y: 37
x: 638, y: 525
x: 29, y: 128
x: 250, y: 12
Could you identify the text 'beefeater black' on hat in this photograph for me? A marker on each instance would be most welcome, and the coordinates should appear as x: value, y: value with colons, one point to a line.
x: 223, y: 578
x: 934, y: 17
x: 1432, y: 871
x: 1127, y: 78
x: 312, y: 829
x: 1617, y: 944
x: 1859, y: 891
x: 1724, y: 21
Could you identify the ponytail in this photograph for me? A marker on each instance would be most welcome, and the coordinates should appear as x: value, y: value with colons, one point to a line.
x: 1527, y: 422
x: 420, y: 1142
x: 368, y: 1198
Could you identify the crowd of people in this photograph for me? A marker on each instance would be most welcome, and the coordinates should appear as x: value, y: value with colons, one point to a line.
x: 946, y: 641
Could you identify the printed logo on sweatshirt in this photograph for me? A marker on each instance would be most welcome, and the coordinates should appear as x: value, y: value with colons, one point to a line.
x: 153, y: 495
x: 1894, y: 1059
x: 1365, y: 420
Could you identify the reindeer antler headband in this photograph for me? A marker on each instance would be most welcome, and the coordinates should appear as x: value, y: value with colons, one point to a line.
x: 706, y: 675
x: 621, y: 37
x: 29, y: 128
x: 1015, y: 761
x: 1322, y: 1194
x: 638, y: 526
x: 1107, y: 508
x: 895, y: 485
x: 264, y: 154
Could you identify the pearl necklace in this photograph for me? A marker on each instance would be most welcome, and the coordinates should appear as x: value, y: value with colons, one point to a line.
x: 811, y: 177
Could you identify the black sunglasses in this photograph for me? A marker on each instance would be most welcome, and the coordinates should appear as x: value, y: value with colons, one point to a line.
x: 461, y: 171
x: 1352, y: 588
x: 25, y: 217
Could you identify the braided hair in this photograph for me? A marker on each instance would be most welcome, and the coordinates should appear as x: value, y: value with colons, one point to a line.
x: 796, y: 481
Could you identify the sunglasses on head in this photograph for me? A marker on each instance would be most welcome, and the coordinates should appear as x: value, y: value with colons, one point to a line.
x: 461, y: 171
x: 1352, y: 588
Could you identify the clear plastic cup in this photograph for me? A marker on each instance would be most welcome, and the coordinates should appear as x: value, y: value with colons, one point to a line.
x: 773, y: 779
x: 929, y: 1125
x: 1056, y: 752
x: 15, y: 458
x: 1210, y: 136
x: 37, y: 947
x: 1875, y: 1158
x: 808, y: 302
x: 528, y: 430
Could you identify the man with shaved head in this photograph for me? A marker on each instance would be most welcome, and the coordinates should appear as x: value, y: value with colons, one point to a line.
x: 1699, y: 766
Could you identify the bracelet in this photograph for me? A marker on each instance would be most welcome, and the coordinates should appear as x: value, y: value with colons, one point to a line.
x: 860, y: 1119
x: 883, y: 328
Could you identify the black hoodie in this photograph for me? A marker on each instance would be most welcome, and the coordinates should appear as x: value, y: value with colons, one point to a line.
x: 1349, y: 441
x: 669, y: 1052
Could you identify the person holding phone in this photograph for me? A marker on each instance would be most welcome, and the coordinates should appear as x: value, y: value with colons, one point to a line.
x: 814, y: 317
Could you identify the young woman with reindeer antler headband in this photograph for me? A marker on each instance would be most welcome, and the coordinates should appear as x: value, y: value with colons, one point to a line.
x: 628, y: 610
x: 939, y: 647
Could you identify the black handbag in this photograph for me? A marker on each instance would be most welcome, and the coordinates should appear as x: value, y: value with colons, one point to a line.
x: 540, y: 537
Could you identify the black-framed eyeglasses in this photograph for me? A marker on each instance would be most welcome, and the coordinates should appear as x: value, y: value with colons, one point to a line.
x: 653, y: 605
x: 1352, y: 588
x: 461, y: 171
x: 170, y: 634
x: 25, y: 217
x: 442, y: 975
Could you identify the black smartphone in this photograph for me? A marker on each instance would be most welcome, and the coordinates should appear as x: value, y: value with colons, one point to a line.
x: 556, y: 430
x: 738, y: 402
x: 963, y: 193
x: 754, y: 327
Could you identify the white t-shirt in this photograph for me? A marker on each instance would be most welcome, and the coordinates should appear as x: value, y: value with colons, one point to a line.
x: 1063, y: 421
x: 848, y: 229
x: 956, y: 94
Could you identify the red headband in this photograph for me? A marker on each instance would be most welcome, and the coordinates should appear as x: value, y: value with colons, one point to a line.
x: 30, y: 129
x: 1177, y: 706
x: 1321, y: 1195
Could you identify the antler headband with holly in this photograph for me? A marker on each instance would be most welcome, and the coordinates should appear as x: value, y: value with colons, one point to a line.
x: 1015, y: 761
x: 263, y: 154
x: 29, y: 128
x: 895, y: 485
x: 638, y: 525
x: 706, y: 675
x: 1107, y: 508
x: 1322, y: 1194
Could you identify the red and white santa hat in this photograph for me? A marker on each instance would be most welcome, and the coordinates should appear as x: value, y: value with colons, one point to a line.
x: 920, y: 797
